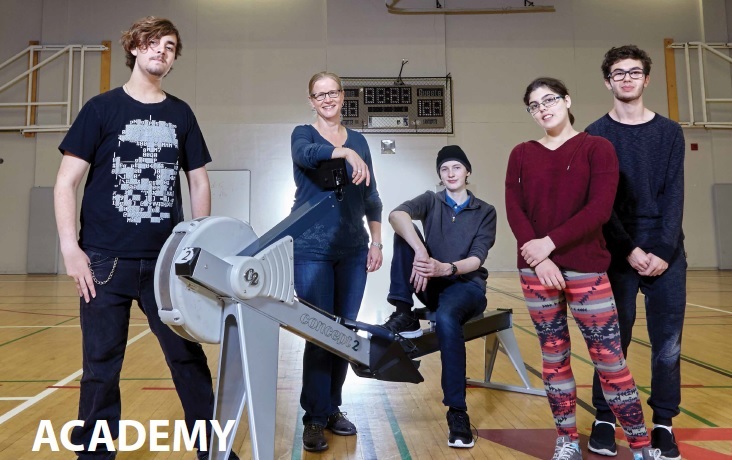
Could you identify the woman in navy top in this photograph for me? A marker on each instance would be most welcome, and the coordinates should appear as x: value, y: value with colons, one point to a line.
x: 333, y: 257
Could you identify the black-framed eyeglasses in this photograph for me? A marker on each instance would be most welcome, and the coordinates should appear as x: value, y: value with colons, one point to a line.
x: 619, y: 74
x: 548, y: 102
x: 331, y: 94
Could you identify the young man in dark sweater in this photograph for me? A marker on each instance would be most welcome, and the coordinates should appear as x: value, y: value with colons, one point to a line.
x: 646, y: 241
x: 445, y: 270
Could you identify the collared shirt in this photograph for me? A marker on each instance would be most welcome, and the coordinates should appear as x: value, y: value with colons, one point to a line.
x: 453, y: 204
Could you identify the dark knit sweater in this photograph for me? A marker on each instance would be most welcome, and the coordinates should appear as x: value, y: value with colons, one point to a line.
x: 649, y: 205
x: 566, y: 194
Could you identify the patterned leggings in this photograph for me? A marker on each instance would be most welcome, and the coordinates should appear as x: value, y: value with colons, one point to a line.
x: 591, y: 300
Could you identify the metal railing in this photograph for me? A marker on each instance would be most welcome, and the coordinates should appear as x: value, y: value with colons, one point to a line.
x: 30, y: 104
x: 700, y: 47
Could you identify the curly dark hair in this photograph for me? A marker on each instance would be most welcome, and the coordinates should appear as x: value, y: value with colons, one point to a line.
x: 143, y: 31
x: 553, y: 84
x: 625, y: 52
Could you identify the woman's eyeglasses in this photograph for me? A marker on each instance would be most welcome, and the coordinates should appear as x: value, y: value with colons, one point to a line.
x: 548, y: 102
x: 331, y: 94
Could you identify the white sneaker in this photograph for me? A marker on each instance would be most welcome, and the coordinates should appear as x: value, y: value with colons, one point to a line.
x: 566, y: 449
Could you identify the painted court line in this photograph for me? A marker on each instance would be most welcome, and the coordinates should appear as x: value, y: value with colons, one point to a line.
x: 709, y: 308
x: 47, y: 392
x: 15, y: 398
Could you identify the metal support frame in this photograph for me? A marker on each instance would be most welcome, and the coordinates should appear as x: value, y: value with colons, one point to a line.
x: 500, y: 338
x: 31, y: 75
x: 700, y: 47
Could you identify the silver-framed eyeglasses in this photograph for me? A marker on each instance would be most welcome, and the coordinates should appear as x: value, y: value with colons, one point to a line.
x: 548, y: 102
x: 331, y: 94
x: 619, y: 74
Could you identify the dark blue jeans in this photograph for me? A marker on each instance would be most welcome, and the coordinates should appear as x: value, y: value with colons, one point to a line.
x: 456, y: 301
x: 334, y: 284
x: 104, y: 326
x: 665, y: 302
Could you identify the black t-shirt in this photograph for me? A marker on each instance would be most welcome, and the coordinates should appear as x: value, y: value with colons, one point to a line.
x: 132, y: 197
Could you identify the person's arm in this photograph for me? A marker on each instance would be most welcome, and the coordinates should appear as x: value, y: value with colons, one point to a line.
x: 69, y: 176
x: 306, y: 153
x: 373, y: 209
x: 200, y: 192
x: 549, y: 275
x: 375, y: 256
x: 483, y: 240
x: 516, y: 215
x: 671, y: 202
x: 402, y: 224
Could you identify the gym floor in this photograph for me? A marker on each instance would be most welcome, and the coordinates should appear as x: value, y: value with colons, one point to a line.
x: 40, y: 353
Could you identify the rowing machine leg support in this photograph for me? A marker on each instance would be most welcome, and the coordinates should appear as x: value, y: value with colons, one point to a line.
x: 247, y: 378
x: 505, y: 341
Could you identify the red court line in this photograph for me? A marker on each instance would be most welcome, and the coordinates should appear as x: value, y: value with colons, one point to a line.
x: 158, y: 388
x: 64, y: 387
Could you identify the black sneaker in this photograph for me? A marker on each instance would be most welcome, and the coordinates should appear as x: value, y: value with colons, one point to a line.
x: 665, y: 441
x: 340, y: 425
x: 602, y: 439
x: 404, y: 324
x: 460, y: 434
x: 313, y: 438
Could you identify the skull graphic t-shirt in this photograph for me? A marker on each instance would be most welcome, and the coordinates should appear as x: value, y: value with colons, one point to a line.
x: 132, y: 197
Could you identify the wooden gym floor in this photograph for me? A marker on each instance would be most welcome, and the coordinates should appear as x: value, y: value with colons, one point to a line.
x: 40, y: 362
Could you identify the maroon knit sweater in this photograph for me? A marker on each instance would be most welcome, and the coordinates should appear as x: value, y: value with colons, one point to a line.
x: 566, y: 193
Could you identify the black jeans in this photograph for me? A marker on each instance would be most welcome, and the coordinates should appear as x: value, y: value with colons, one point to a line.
x: 104, y: 326
x: 665, y: 302
x: 456, y: 301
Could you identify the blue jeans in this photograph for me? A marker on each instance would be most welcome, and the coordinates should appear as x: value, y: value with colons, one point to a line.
x: 665, y: 302
x: 334, y: 284
x: 456, y: 301
x: 104, y: 326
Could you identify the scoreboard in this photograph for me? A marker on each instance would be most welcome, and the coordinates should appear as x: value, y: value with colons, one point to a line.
x: 413, y: 105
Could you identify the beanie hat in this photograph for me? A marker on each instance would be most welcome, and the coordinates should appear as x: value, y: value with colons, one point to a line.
x: 453, y: 153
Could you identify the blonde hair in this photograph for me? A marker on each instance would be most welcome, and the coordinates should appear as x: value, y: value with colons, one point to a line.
x: 321, y: 75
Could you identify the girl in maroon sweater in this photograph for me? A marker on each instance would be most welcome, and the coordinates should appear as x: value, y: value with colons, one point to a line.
x: 559, y: 192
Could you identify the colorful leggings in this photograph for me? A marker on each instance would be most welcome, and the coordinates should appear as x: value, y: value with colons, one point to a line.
x: 591, y: 300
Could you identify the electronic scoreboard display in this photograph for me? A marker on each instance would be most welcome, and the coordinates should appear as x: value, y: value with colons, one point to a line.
x: 422, y: 105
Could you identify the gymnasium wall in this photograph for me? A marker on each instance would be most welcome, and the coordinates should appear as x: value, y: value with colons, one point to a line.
x: 246, y: 64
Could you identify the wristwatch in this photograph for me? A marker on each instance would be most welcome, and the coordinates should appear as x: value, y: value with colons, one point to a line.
x: 453, y: 268
x: 378, y: 245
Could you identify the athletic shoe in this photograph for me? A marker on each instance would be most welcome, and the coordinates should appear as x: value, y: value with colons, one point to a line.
x: 340, y: 425
x: 664, y: 440
x: 602, y: 439
x: 313, y: 439
x: 404, y: 324
x: 460, y: 435
x: 648, y: 453
x: 566, y: 449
